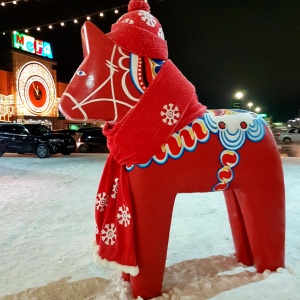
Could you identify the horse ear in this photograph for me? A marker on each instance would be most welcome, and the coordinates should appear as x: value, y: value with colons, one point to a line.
x: 90, y: 36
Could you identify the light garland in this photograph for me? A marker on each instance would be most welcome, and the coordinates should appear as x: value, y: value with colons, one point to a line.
x: 62, y: 23
x: 9, y: 2
x: 3, y: 3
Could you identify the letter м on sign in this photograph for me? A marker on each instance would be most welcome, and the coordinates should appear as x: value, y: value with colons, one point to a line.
x: 23, y: 42
x: 19, y: 41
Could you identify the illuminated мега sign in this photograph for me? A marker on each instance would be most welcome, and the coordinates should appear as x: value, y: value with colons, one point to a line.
x: 32, y: 45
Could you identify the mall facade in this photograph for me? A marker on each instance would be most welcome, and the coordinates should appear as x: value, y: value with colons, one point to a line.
x: 29, y: 90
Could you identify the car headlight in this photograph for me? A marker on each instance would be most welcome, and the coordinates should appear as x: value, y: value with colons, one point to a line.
x: 56, y: 140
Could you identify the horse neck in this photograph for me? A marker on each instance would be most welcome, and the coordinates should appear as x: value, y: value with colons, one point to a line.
x: 143, y: 72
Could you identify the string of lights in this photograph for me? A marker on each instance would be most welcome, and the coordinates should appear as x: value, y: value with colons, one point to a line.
x: 63, y: 23
x: 11, y: 2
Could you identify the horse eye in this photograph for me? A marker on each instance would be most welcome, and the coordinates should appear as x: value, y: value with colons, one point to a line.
x: 81, y: 73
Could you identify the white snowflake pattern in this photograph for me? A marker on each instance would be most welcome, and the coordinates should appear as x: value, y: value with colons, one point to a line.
x: 101, y: 201
x: 171, y: 114
x: 161, y: 33
x: 124, y: 215
x: 148, y: 18
x: 115, y: 188
x: 128, y: 21
x: 96, y: 229
x: 109, y: 234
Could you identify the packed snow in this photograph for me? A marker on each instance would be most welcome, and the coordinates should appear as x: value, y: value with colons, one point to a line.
x: 47, y: 228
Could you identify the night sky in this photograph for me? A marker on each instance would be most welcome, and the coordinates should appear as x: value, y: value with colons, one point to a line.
x: 220, y: 46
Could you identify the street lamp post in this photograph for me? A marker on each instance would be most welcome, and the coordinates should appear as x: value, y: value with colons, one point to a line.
x: 257, y: 109
x: 250, y: 104
x: 237, y: 101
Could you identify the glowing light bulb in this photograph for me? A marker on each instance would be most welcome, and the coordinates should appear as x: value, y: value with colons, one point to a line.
x: 239, y: 95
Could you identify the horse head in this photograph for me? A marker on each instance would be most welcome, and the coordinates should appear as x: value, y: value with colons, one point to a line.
x: 101, y: 87
x: 108, y: 82
x: 117, y: 66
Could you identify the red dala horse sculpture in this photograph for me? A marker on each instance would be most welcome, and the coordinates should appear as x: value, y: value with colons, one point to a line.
x: 162, y: 142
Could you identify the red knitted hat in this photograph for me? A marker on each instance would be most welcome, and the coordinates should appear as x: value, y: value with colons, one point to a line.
x: 139, y: 32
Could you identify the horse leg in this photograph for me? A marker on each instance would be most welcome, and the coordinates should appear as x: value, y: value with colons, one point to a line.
x: 152, y: 217
x: 262, y: 207
x: 238, y: 230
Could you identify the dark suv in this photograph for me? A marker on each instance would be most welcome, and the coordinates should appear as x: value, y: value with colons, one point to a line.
x: 92, y: 141
x: 34, y: 138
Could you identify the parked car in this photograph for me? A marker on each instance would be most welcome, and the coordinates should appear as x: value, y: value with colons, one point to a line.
x: 289, y: 136
x: 83, y: 129
x: 66, y: 131
x: 92, y: 141
x: 71, y: 132
x: 34, y: 138
x: 80, y: 131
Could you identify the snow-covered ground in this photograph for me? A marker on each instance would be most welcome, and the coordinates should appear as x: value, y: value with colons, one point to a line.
x: 47, y: 226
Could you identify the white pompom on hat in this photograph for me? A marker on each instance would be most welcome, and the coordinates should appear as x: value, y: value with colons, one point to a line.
x: 139, y: 32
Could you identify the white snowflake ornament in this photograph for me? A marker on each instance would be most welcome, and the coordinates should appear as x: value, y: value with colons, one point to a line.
x: 170, y: 114
x: 101, y: 201
x: 147, y: 18
x: 115, y: 188
x: 128, y: 21
x: 109, y: 234
x: 124, y: 216
x: 161, y: 33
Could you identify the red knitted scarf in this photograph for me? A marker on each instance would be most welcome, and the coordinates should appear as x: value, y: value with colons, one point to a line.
x: 167, y: 105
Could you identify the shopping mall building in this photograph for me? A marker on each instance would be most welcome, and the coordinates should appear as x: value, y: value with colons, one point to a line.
x: 29, y: 90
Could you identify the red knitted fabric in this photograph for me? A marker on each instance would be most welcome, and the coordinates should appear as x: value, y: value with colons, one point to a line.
x: 140, y: 32
x: 135, y: 140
